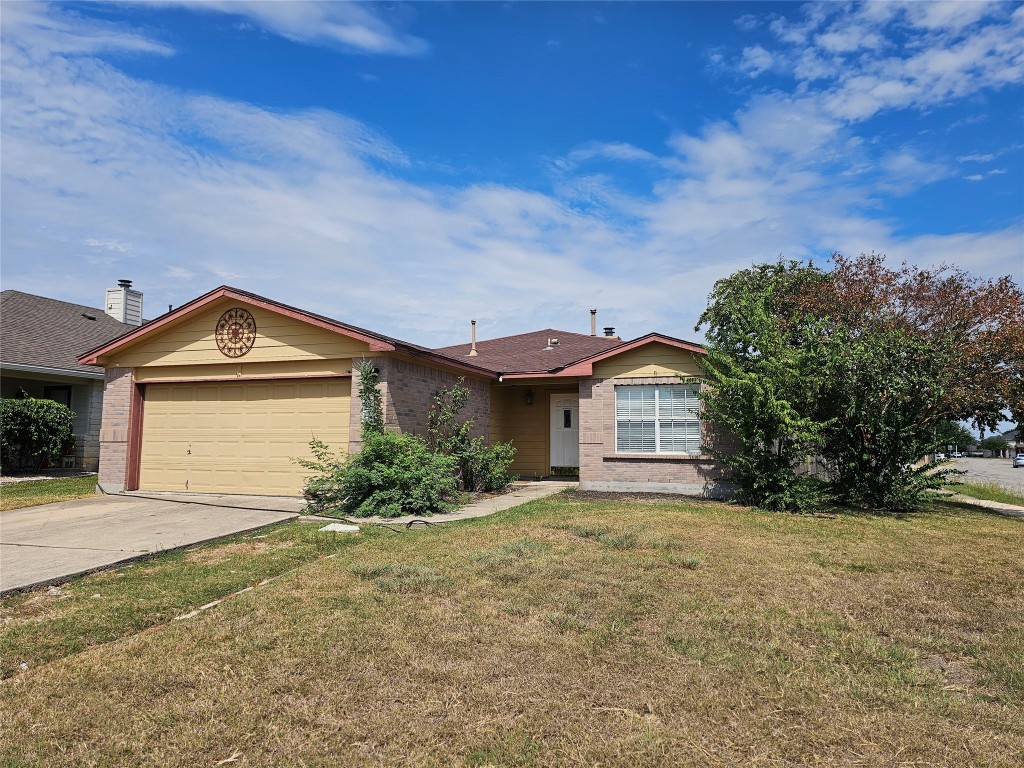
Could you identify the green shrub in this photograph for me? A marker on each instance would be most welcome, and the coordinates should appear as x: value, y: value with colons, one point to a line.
x: 32, y: 431
x: 479, y: 467
x: 393, y: 475
x: 485, y: 468
x: 324, y: 490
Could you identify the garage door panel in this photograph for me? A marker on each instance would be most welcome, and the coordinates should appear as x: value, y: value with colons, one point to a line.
x: 238, y: 437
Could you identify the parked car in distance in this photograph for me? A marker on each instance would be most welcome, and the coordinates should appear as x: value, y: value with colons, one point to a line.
x: 941, y: 457
x: 956, y: 455
x: 1018, y: 460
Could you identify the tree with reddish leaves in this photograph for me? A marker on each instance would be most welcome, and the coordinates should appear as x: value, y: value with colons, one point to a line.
x: 976, y: 325
x: 867, y: 364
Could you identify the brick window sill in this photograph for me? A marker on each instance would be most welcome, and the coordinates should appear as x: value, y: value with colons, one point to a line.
x: 659, y: 456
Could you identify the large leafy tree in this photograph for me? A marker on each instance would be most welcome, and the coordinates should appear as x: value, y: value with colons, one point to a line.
x: 861, y: 365
x: 763, y: 371
x: 976, y: 325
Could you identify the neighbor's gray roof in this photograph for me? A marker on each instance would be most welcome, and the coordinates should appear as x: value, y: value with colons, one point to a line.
x: 47, y: 333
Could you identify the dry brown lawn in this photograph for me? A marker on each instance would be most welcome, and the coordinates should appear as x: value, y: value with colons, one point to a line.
x: 575, y: 631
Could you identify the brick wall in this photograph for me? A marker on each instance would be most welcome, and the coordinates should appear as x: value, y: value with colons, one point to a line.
x: 407, y: 390
x: 601, y: 469
x: 87, y: 402
x: 117, y: 399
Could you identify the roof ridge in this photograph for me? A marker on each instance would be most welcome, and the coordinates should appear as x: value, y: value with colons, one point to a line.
x: 56, y: 301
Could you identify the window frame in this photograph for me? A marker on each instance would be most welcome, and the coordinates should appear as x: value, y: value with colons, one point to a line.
x: 693, y: 387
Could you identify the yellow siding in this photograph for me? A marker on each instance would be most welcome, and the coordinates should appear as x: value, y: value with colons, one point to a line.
x: 239, y: 437
x: 653, y: 359
x: 278, y: 338
x: 527, y: 426
x: 215, y: 371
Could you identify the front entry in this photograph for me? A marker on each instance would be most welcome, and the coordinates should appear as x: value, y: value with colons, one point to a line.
x: 565, y: 431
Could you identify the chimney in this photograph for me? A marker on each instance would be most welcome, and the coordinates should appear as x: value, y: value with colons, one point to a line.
x: 609, y: 331
x: 593, y: 322
x: 472, y: 349
x: 124, y: 304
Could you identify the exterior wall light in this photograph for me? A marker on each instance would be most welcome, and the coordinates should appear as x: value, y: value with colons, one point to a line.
x: 529, y: 397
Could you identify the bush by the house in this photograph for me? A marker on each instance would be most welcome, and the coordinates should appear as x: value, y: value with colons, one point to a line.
x: 323, y: 490
x: 480, y: 467
x: 395, y: 475
x: 33, y: 431
x: 485, y: 468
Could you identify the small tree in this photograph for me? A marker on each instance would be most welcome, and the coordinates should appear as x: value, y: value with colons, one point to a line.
x: 369, y: 396
x: 33, y: 431
x: 480, y: 468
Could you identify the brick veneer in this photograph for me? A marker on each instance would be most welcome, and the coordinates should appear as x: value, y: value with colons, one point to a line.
x: 407, y: 390
x: 602, y: 470
x: 117, y: 402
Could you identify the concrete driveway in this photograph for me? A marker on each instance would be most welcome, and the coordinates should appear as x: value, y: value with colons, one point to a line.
x: 50, y: 543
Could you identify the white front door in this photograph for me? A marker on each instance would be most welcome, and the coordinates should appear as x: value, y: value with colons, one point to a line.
x: 565, y: 431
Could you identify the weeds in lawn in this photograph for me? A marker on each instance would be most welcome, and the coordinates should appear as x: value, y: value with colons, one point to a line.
x: 403, y: 578
x: 603, y: 535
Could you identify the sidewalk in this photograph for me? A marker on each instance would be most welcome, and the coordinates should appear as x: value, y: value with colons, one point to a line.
x: 521, y: 493
x: 1010, y: 510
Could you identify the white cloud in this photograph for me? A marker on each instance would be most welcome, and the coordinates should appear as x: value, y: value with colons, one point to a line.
x: 41, y: 31
x: 756, y: 60
x: 854, y: 53
x: 358, y: 27
x: 976, y: 158
x: 612, y: 151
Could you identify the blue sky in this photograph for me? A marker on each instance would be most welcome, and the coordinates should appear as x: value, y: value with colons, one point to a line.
x: 407, y: 167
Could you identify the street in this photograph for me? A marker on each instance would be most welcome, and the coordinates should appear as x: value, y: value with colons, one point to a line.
x: 992, y: 471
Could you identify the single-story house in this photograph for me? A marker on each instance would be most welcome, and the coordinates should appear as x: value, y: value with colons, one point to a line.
x: 222, y: 393
x: 40, y: 341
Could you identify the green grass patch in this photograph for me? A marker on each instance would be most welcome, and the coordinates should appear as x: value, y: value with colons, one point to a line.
x: 989, y: 492
x: 44, y: 625
x: 35, y: 492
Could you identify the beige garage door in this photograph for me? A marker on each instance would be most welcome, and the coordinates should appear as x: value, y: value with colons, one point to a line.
x: 238, y: 437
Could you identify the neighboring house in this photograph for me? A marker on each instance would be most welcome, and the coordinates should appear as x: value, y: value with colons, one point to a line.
x: 40, y: 341
x: 1015, y: 437
x: 222, y: 394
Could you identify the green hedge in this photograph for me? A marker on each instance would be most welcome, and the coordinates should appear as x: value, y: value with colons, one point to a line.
x: 33, y: 431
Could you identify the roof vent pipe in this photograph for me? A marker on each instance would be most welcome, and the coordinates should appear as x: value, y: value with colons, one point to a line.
x: 472, y: 349
x: 609, y: 330
x: 593, y: 322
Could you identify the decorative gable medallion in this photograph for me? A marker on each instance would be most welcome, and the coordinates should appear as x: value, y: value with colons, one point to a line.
x: 236, y: 332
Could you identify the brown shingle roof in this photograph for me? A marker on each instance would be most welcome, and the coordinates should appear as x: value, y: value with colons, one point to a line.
x: 38, y: 331
x: 525, y: 352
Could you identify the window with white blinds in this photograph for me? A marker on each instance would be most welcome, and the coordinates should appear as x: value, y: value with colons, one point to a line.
x: 657, y: 418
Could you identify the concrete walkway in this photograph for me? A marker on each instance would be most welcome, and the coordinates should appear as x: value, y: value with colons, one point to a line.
x: 521, y: 493
x: 1010, y: 510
